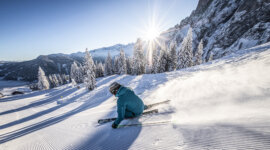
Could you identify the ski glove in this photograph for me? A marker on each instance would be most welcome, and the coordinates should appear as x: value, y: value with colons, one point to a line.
x: 114, y: 126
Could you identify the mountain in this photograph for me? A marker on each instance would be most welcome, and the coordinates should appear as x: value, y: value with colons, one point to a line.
x: 224, y: 26
x: 55, y: 63
x: 103, y: 52
x: 27, y: 70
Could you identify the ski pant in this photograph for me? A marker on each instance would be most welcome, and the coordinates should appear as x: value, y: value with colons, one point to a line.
x: 129, y: 114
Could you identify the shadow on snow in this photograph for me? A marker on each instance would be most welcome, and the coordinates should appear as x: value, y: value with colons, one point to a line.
x: 42, y: 113
x: 50, y: 99
x: 98, y: 97
x: 32, y: 94
x: 111, y: 139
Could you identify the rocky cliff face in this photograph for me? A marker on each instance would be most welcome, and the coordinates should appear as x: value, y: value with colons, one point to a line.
x: 225, y: 26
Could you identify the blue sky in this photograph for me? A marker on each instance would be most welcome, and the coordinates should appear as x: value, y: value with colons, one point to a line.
x: 30, y: 28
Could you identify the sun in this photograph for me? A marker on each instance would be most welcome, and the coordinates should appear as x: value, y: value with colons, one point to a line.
x: 150, y: 36
x: 151, y: 33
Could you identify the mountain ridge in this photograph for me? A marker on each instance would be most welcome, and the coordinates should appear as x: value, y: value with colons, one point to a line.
x: 56, y: 63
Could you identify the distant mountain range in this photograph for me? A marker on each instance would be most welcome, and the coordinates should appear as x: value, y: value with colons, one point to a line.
x: 56, y: 63
x: 103, y: 52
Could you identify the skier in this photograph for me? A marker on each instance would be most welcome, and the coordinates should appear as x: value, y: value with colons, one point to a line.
x: 129, y: 105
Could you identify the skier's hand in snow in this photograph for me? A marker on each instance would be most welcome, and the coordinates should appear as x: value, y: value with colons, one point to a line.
x: 114, y: 126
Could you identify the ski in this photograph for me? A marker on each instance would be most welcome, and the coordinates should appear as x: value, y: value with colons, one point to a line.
x: 145, y: 124
x: 102, y: 121
x: 155, y: 104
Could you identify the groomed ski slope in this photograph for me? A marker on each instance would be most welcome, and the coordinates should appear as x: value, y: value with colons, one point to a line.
x: 223, y: 104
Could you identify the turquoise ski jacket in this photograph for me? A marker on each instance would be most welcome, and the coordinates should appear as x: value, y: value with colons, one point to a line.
x: 128, y: 104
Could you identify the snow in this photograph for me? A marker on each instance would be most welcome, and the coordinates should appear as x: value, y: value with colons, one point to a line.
x: 243, y: 43
x: 223, y: 104
x: 9, y: 86
x: 237, y: 15
x: 8, y: 91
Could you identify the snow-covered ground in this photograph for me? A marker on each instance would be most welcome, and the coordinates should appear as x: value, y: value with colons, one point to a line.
x: 223, y: 104
x: 11, y: 83
x: 7, y: 87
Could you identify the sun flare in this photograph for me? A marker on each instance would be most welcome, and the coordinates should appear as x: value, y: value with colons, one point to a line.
x: 151, y: 33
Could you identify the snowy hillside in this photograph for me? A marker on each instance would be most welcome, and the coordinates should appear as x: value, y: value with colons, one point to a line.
x: 224, y: 26
x: 7, y: 87
x: 223, y: 104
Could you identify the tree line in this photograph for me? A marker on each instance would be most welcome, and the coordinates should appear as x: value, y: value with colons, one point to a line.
x: 163, y: 59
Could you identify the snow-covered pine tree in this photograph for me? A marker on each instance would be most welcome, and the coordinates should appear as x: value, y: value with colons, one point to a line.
x: 90, y: 68
x: 155, y: 62
x: 73, y: 70
x: 55, y: 80
x: 100, y: 70
x: 116, y: 65
x: 73, y: 82
x: 163, y: 61
x: 76, y: 73
x: 185, y: 54
x: 50, y: 79
x: 89, y: 62
x: 122, y: 64
x: 43, y: 83
x: 108, y: 69
x: 138, y: 59
x: 210, y: 57
x: 129, y: 67
x: 60, y: 80
x: 173, y: 56
x: 90, y: 80
x: 97, y: 70
x: 148, y: 68
x: 168, y: 60
x: 198, y: 54
x: 81, y: 73
x: 65, y: 78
